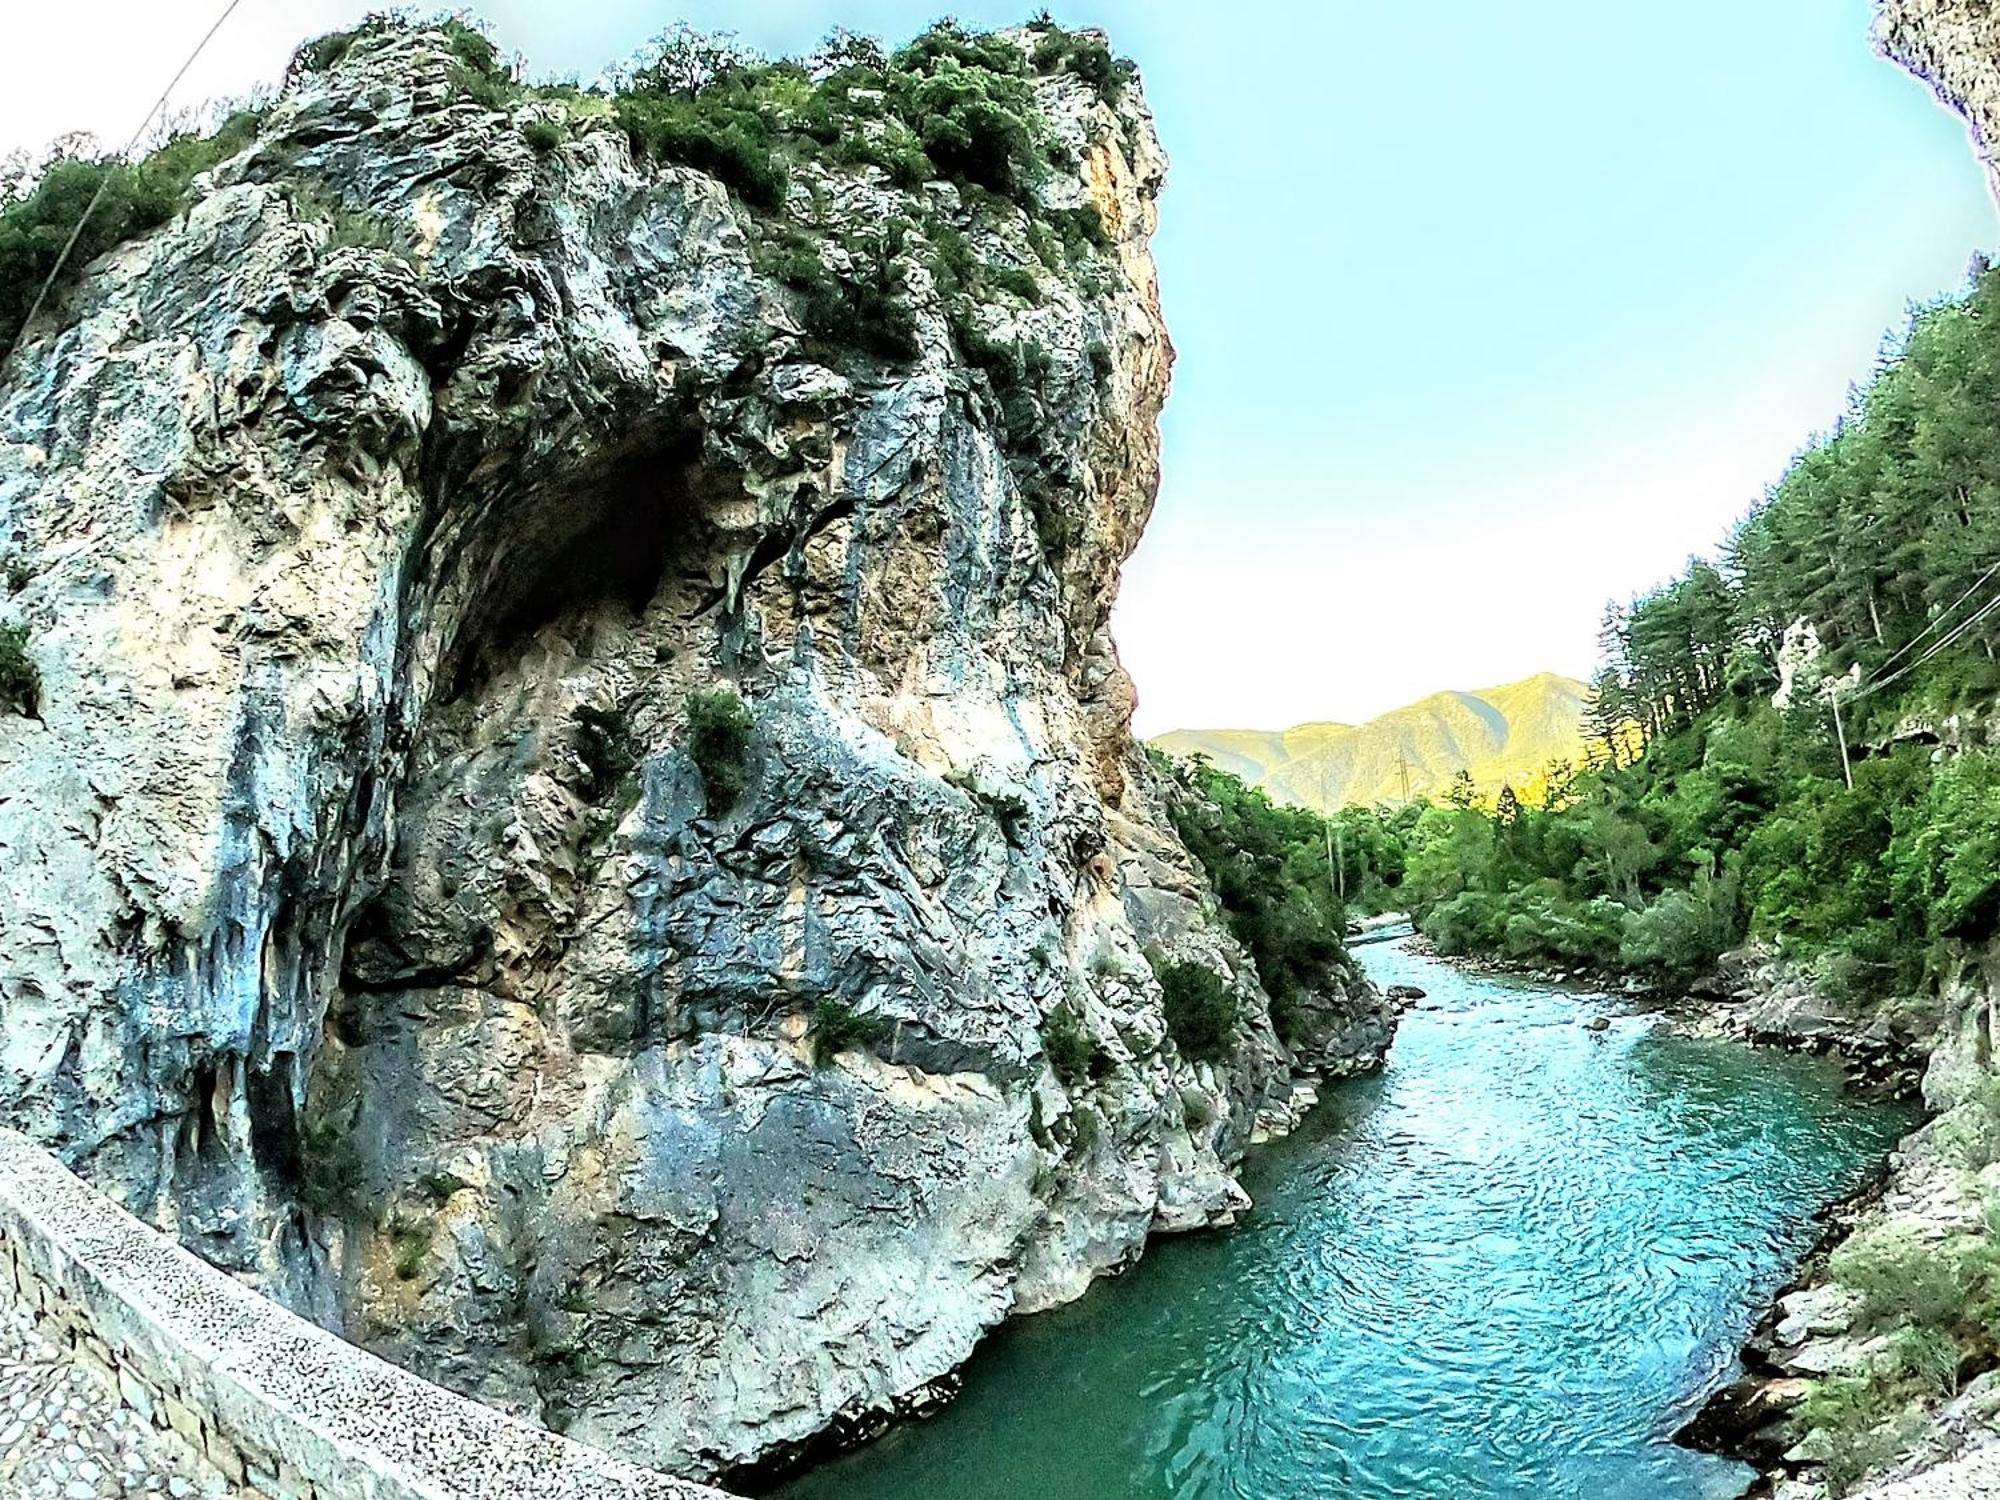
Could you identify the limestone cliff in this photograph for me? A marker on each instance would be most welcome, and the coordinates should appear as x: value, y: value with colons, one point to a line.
x: 363, y: 914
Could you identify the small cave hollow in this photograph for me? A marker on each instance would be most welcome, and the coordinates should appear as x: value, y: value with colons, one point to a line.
x: 580, y: 544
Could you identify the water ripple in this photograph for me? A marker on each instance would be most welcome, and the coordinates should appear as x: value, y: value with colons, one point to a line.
x: 1506, y: 1268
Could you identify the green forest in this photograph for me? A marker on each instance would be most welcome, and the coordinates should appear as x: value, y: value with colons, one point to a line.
x: 1855, y: 830
x: 1794, y: 746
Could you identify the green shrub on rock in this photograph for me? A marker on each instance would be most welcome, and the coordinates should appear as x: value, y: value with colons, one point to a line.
x: 1087, y: 58
x: 471, y: 47
x: 719, y: 727
x: 604, y: 745
x: 866, y: 308
x: 331, y: 1172
x: 837, y: 1027
x: 1202, y: 1009
x: 722, y: 138
x: 20, y: 683
x: 1856, y: 1424
x: 1068, y: 1045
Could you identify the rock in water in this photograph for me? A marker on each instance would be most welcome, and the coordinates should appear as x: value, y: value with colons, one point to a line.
x: 371, y: 918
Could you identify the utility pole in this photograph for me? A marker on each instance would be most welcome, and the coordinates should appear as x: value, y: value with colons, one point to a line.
x: 1336, y: 841
x: 1840, y: 733
x: 1403, y: 766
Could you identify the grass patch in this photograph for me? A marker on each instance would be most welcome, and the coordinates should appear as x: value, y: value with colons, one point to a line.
x: 409, y: 1243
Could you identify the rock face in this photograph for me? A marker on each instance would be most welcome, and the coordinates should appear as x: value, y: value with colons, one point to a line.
x: 363, y: 916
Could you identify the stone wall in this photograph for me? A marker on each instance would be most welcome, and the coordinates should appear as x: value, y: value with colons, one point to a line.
x: 279, y: 1406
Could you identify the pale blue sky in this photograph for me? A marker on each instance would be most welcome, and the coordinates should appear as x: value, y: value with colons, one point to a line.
x: 1485, y: 313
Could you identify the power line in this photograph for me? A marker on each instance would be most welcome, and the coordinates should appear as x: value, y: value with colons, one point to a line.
x: 97, y: 197
x: 1941, y: 617
x: 1943, y: 642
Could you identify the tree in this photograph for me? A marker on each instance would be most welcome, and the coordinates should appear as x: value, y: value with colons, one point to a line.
x: 1605, y: 718
x: 681, y: 61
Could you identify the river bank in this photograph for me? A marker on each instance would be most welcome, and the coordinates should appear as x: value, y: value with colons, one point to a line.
x: 1898, y: 1265
x: 1509, y: 1265
x: 1753, y: 997
x: 1935, y: 1188
x: 1903, y: 1266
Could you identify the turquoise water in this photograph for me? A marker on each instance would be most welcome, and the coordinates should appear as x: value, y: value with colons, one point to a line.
x: 1508, y: 1266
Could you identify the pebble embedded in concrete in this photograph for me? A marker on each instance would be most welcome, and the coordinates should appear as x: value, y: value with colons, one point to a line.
x: 64, y: 1435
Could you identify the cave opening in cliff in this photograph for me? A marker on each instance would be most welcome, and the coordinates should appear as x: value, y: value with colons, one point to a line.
x: 578, y: 546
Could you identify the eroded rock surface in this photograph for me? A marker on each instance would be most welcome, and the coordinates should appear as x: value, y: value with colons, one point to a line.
x: 363, y: 917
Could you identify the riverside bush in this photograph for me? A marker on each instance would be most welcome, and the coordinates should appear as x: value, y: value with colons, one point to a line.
x: 1907, y: 1281
x: 1270, y: 870
x: 1858, y: 1423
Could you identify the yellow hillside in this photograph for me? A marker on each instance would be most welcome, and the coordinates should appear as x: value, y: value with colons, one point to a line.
x: 1501, y: 735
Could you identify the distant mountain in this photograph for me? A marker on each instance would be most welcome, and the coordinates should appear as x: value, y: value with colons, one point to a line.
x: 1502, y: 735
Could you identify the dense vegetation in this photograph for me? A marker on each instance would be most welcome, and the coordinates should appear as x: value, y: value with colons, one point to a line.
x: 1708, y: 816
x: 1279, y: 874
x: 953, y: 106
x: 39, y: 212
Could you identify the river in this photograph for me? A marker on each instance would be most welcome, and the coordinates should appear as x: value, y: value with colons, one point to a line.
x: 1509, y: 1265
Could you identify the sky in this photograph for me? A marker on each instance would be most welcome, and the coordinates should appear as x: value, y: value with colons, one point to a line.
x: 1486, y: 314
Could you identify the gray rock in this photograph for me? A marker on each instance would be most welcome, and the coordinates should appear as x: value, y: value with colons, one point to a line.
x: 365, y: 918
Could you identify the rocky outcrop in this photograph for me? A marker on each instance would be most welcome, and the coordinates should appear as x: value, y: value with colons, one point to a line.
x: 1756, y: 994
x: 1933, y: 1204
x: 366, y: 920
x: 1954, y: 47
